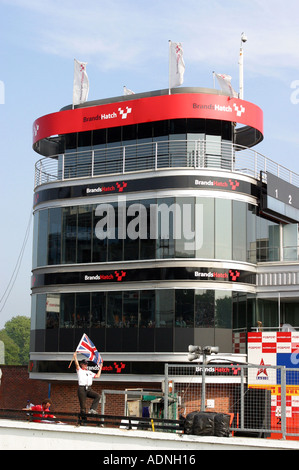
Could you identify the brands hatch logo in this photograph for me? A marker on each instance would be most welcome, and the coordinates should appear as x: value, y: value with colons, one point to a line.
x: 120, y: 276
x: 124, y: 113
x: 232, y: 275
x: 121, y: 112
x: 106, y: 189
x: 121, y: 186
x: 112, y: 368
x: 116, y: 275
x: 119, y: 367
x: 219, y: 370
x: 234, y: 184
x: 239, y: 110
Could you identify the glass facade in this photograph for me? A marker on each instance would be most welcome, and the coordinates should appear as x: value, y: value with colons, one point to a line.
x: 162, y: 228
x: 149, y: 320
x: 151, y: 228
x: 101, y: 151
x: 143, y: 320
x: 178, y: 129
x: 228, y: 230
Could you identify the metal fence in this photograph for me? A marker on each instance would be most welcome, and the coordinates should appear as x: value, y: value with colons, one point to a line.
x: 262, y: 400
x: 153, y: 156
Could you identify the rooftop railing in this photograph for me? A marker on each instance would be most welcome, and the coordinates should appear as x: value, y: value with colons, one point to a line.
x: 154, y: 156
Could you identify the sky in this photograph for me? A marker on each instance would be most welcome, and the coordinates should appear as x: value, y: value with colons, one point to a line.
x: 126, y: 43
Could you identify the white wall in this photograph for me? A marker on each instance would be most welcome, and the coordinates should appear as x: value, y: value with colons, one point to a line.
x: 16, y: 435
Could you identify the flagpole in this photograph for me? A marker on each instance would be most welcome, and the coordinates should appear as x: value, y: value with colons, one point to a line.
x: 71, y: 362
x: 241, y: 77
x: 73, y: 106
x: 169, y: 66
x: 76, y: 350
x: 241, y: 80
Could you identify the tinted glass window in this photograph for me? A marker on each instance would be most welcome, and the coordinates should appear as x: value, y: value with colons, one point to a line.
x: 42, y: 238
x: 84, y: 234
x: 54, y: 236
x: 147, y: 309
x: 184, y: 308
x: 98, y: 310
x: 67, y: 310
x: 239, y: 230
x: 204, y: 308
x: 164, y: 308
x: 223, y: 230
x: 205, y: 227
x: 223, y: 309
x: 69, y: 234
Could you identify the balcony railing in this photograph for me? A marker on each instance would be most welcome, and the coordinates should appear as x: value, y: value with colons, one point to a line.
x: 154, y: 156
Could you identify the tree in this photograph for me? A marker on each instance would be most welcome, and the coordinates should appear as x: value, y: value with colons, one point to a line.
x: 16, y: 339
x: 11, y: 350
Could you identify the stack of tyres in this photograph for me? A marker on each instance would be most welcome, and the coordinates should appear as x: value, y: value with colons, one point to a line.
x: 221, y: 423
x: 201, y: 423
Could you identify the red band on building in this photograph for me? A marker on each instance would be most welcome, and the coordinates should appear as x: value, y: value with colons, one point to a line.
x: 158, y: 108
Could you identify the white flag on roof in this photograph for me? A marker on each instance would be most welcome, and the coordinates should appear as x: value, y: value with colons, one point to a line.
x: 127, y: 91
x: 81, y: 83
x: 225, y: 84
x: 176, y: 64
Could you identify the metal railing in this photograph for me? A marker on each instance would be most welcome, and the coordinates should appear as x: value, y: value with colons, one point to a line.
x: 97, y: 420
x: 154, y: 156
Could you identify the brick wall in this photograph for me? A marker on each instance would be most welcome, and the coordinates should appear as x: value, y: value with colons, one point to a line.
x: 64, y: 396
x: 16, y: 388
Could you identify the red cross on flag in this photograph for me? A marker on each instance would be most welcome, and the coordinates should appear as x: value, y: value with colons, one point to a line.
x: 81, y: 83
x: 176, y: 64
x: 88, y: 349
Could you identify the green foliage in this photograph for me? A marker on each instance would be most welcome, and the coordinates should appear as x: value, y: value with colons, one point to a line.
x: 16, y: 339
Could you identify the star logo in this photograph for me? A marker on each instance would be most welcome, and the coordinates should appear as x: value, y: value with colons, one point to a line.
x: 262, y: 370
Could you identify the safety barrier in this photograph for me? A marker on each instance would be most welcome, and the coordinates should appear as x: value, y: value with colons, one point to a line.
x: 154, y: 156
x: 98, y: 420
x: 262, y: 400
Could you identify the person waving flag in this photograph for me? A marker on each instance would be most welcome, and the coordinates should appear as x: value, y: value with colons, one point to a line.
x: 86, y: 376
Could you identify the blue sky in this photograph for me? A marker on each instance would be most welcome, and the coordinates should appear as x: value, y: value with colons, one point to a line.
x: 126, y: 43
